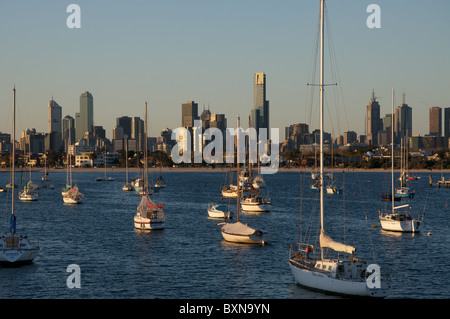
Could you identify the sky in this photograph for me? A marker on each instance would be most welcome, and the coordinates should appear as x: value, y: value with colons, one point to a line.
x: 168, y: 52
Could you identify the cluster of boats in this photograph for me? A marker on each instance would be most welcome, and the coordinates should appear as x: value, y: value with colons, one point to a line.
x: 330, y: 266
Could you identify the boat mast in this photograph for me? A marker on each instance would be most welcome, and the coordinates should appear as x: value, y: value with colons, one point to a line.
x: 145, y: 155
x: 321, y: 86
x: 392, y: 150
x: 237, y: 168
x: 126, y: 158
x: 13, y: 157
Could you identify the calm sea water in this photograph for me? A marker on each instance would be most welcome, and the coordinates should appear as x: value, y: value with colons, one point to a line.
x: 189, y: 258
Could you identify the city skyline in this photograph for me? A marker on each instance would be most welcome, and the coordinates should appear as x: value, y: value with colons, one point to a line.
x: 129, y: 53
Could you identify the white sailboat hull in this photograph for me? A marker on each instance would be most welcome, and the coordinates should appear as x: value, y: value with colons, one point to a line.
x: 240, y: 233
x: 16, y: 250
x: 14, y: 256
x: 322, y: 282
x: 28, y: 197
x: 69, y: 200
x: 216, y: 211
x: 229, y: 194
x: 127, y: 188
x: 408, y: 226
x: 250, y: 206
x: 148, y: 224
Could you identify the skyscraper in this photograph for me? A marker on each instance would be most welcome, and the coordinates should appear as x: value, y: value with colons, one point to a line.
x: 125, y: 123
x: 54, y: 125
x: 373, y: 121
x: 137, y: 132
x: 189, y: 113
x: 259, y: 115
x: 435, y: 121
x: 447, y: 122
x: 402, y: 121
x: 84, y: 120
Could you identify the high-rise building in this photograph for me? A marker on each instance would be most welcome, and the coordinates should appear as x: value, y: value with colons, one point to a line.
x: 373, y: 121
x: 402, y: 121
x: 349, y: 137
x: 84, y: 120
x: 189, y: 113
x: 125, y: 123
x: 447, y: 122
x: 435, y: 121
x: 54, y: 125
x: 259, y: 115
x: 137, y: 132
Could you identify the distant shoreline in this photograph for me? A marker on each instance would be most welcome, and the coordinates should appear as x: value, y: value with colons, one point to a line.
x: 218, y: 169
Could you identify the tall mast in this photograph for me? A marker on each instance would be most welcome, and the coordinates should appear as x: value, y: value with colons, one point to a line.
x: 13, y: 153
x: 126, y: 158
x: 237, y: 168
x: 145, y: 155
x: 392, y: 150
x: 321, y: 86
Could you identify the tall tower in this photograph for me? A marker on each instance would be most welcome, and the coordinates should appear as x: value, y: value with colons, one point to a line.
x: 402, y: 121
x: 189, y: 113
x: 447, y: 122
x: 259, y: 115
x: 373, y: 121
x: 435, y: 121
x: 84, y: 120
x: 125, y: 123
x: 54, y: 124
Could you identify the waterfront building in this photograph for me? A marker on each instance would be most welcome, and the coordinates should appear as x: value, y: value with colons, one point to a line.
x: 189, y: 113
x: 435, y: 117
x: 84, y: 120
x: 124, y: 122
x: 402, y: 121
x: 447, y: 122
x: 373, y: 121
x: 259, y: 115
x: 54, y: 126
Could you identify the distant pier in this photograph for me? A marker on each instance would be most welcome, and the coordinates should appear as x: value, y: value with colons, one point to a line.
x: 440, y: 183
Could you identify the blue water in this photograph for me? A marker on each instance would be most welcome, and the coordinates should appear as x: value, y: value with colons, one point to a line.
x: 190, y: 260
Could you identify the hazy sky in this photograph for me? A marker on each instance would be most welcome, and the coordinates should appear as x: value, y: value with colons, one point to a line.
x: 168, y: 52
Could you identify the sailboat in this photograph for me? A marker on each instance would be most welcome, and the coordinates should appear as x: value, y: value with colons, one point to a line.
x: 16, y: 249
x: 149, y: 215
x: 29, y: 193
x: 127, y: 187
x: 230, y: 190
x: 102, y: 179
x: 216, y: 210
x: 403, y: 190
x: 398, y: 218
x: 255, y: 201
x: 238, y: 232
x: 45, y: 176
x: 342, y: 274
x: 71, y: 194
x: 160, y: 182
